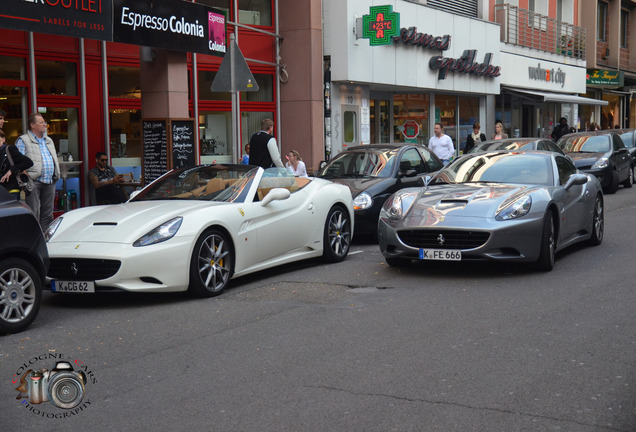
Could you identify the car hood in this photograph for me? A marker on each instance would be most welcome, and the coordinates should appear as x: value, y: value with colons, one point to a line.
x: 585, y: 158
x: 121, y: 223
x: 474, y: 200
x: 358, y: 185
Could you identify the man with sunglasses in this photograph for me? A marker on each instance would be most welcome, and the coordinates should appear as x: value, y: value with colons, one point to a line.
x: 104, y: 179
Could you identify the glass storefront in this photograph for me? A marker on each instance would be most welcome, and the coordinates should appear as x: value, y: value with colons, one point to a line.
x: 411, y: 106
x: 56, y: 77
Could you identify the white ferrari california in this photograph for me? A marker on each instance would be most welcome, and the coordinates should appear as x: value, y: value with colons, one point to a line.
x: 196, y: 228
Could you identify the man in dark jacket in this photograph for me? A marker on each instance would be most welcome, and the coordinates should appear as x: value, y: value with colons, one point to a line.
x: 263, y: 147
x: 561, y: 129
x: 8, y: 170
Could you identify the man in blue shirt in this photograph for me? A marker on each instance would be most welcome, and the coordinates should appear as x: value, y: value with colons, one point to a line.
x: 38, y: 147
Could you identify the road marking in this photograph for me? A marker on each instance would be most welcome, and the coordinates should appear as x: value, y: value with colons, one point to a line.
x: 356, y: 252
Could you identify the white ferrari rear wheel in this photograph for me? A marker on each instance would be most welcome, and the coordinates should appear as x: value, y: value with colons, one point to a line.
x: 211, y: 264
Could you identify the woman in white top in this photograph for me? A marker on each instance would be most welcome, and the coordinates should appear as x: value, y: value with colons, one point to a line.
x: 295, y: 164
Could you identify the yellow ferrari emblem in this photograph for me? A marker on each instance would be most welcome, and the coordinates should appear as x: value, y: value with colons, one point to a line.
x: 77, y: 246
x: 241, y: 212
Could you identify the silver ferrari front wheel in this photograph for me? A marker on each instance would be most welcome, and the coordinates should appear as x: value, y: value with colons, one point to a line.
x: 548, y: 244
x: 211, y: 264
x: 337, y: 236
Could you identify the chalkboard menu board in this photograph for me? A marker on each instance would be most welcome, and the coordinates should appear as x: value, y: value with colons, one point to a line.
x: 155, y: 150
x: 183, y: 141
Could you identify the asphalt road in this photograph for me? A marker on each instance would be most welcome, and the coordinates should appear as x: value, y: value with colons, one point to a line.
x: 354, y: 346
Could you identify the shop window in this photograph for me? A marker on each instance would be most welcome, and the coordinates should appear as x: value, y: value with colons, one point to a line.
x: 468, y: 116
x: 411, y: 106
x: 446, y: 113
x: 63, y: 129
x: 380, y: 121
x: 215, y: 134
x: 125, y: 137
x: 13, y: 100
x: 265, y: 91
x: 124, y: 82
x: 349, y: 126
x: 56, y: 78
x: 13, y: 68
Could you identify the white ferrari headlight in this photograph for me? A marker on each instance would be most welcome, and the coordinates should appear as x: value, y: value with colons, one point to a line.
x: 399, y: 204
x: 515, y: 209
x: 163, y: 232
x: 52, y: 228
x: 362, y: 201
x: 601, y: 163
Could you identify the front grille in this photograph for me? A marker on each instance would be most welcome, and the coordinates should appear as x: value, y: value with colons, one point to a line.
x: 449, y: 239
x: 82, y: 269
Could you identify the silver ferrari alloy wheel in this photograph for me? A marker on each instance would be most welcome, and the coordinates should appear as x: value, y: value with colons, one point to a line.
x: 211, y: 266
x: 337, y: 235
x: 20, y: 294
x: 598, y: 222
x: 548, y: 244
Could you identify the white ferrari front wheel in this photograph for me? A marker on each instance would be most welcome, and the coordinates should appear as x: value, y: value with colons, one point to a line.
x: 337, y: 236
x: 211, y: 264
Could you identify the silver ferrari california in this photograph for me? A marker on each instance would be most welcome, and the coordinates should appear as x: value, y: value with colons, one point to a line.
x: 500, y: 206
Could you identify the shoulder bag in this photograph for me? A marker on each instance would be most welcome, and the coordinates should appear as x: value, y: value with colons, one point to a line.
x: 24, y: 181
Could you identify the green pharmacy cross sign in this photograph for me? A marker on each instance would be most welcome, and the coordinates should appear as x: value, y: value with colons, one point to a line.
x: 381, y: 25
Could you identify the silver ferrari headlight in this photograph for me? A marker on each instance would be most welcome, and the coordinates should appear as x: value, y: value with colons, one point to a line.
x: 362, y: 201
x: 52, y: 228
x: 399, y: 204
x: 601, y: 163
x: 163, y: 232
x: 515, y: 209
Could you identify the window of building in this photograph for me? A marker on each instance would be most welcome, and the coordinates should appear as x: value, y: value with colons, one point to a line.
x: 602, y: 20
x: 124, y: 82
x: 13, y: 68
x: 125, y: 137
x: 411, y: 106
x: 215, y: 134
x: 624, y: 28
x: 468, y: 116
x: 349, y: 126
x: 56, y: 77
x: 255, y: 12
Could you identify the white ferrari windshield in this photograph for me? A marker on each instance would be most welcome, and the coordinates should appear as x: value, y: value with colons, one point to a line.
x: 224, y: 183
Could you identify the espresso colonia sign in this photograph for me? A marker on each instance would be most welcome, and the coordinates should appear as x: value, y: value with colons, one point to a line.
x: 381, y: 25
x: 170, y: 24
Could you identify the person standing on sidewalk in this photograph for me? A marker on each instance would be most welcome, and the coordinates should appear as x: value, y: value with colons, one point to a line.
x: 37, y: 146
x: 441, y: 144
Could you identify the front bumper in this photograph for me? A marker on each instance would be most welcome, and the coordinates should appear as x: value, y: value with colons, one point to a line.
x: 163, y: 267
x: 513, y: 240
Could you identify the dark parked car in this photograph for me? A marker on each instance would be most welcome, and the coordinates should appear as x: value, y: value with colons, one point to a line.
x: 24, y: 261
x: 374, y: 172
x: 629, y: 139
x: 601, y: 153
x: 517, y: 144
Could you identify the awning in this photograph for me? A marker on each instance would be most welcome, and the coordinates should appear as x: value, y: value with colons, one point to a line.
x: 559, y: 97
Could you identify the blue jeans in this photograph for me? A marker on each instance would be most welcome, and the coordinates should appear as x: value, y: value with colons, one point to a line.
x: 41, y: 201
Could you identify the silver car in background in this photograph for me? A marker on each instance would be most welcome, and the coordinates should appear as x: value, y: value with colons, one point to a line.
x: 500, y: 206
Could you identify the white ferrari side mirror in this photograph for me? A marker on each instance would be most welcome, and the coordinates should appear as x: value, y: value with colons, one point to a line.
x: 275, y: 194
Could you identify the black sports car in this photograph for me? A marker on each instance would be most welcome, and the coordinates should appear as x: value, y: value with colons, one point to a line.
x: 629, y: 139
x: 374, y: 172
x: 24, y: 261
x: 601, y: 153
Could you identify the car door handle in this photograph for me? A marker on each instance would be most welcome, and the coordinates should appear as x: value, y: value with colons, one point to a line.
x: 310, y: 207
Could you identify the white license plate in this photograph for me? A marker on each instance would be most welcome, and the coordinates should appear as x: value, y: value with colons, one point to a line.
x: 73, y: 286
x: 441, y: 254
